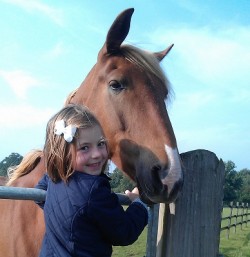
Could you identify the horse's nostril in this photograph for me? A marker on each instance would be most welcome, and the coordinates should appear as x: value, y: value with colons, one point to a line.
x: 156, y: 168
x: 159, y: 171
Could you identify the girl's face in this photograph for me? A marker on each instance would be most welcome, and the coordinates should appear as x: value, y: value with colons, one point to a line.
x: 91, y: 152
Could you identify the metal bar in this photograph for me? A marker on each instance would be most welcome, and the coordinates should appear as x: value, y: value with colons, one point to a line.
x: 21, y: 193
x: 123, y: 199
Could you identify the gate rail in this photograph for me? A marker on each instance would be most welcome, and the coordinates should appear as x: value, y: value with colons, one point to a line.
x: 21, y: 193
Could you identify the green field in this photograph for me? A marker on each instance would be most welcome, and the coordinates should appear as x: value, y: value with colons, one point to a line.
x: 238, y: 244
x: 138, y: 249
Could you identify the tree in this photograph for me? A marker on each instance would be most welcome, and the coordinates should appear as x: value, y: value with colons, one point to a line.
x: 233, y: 182
x: 12, y: 160
x: 120, y: 182
x: 244, y: 193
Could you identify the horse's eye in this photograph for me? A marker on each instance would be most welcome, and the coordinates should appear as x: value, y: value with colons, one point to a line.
x: 116, y: 86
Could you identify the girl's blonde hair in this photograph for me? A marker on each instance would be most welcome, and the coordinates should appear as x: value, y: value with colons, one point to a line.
x: 60, y: 155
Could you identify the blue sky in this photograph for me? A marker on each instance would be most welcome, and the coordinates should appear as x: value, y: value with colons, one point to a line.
x: 48, y: 47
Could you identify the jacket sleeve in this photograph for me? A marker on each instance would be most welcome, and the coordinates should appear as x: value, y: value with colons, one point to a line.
x: 42, y: 184
x: 118, y: 226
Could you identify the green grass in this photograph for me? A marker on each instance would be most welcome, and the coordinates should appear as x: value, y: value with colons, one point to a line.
x: 238, y: 244
x: 138, y: 249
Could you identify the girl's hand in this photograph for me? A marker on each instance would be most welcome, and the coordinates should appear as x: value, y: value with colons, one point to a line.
x: 133, y: 194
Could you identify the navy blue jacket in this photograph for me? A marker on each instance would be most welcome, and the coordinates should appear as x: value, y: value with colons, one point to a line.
x: 83, y: 218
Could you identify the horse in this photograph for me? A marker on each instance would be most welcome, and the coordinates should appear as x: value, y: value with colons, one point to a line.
x: 126, y: 89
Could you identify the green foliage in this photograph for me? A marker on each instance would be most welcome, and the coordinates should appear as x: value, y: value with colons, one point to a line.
x: 233, y: 182
x: 12, y: 160
x: 120, y: 182
x: 244, y: 192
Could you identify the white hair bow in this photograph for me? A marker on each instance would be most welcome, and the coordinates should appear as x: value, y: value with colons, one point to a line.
x: 68, y: 132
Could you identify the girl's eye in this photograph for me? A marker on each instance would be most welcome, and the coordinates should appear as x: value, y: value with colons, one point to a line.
x: 102, y: 144
x: 84, y: 148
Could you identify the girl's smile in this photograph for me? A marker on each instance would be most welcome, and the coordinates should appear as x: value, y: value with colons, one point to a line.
x: 95, y: 166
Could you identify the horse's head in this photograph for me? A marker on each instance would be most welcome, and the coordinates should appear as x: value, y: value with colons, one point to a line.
x: 127, y: 89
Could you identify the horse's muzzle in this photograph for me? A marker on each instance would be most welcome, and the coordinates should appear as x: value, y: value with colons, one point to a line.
x: 159, y: 185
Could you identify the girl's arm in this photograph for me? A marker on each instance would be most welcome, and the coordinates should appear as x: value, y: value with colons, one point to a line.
x: 118, y: 226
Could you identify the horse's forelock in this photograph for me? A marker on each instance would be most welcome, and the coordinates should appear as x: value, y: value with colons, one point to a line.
x: 146, y: 61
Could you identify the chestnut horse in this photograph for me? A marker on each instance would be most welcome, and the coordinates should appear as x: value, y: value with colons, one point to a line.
x: 126, y: 89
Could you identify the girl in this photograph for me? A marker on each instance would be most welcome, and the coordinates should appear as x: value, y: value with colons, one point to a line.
x: 82, y: 216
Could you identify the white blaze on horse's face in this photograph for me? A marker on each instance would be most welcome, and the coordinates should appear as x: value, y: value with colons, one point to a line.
x: 174, y: 173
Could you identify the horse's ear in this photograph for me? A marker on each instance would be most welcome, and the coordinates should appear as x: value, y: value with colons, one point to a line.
x: 162, y: 54
x: 118, y: 31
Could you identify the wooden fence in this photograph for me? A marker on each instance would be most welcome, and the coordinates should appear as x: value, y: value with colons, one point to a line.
x: 194, y: 229
x: 239, y: 214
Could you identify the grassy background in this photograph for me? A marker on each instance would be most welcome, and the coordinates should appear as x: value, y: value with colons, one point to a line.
x: 138, y: 249
x: 238, y: 244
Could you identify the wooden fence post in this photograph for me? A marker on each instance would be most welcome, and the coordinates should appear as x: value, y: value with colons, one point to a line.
x: 247, y: 215
x: 242, y: 215
x: 230, y: 219
x: 152, y: 231
x: 236, y: 217
x: 194, y: 230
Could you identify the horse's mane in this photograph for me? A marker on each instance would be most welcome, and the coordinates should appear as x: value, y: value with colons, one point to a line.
x: 147, y: 62
x: 70, y: 96
x: 28, y: 163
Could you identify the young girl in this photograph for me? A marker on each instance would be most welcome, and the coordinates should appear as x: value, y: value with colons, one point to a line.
x: 82, y: 216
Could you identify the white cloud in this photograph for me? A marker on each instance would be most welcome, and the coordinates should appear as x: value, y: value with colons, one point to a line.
x: 192, y: 101
x: 211, y: 56
x: 222, y: 140
x: 243, y: 96
x: 190, y: 6
x: 38, y: 6
x: 23, y: 116
x: 56, y: 51
x: 22, y: 128
x: 19, y: 81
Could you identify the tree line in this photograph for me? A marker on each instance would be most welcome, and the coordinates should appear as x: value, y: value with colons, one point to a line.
x: 236, y: 186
